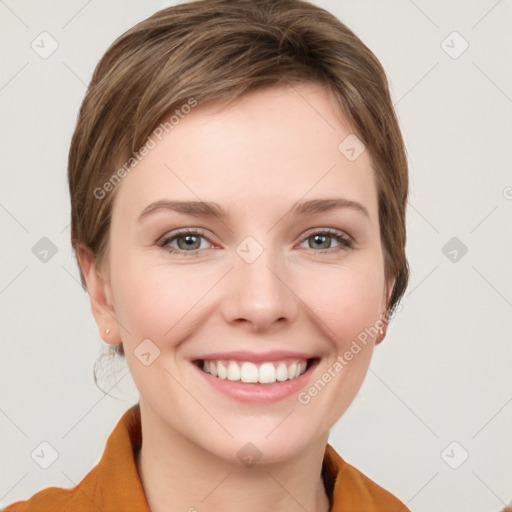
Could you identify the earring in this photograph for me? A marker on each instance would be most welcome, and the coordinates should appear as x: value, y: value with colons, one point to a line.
x: 107, y: 331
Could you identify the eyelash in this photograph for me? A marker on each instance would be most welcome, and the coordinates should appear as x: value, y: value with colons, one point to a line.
x: 345, y: 241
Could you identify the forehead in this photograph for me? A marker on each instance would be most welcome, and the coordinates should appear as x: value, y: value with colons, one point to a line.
x: 272, y: 146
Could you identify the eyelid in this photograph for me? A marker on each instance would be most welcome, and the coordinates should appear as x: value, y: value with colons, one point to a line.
x: 182, y: 231
x: 347, y: 241
x: 331, y: 231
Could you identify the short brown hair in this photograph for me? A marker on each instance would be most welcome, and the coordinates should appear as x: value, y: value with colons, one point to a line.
x: 220, y: 50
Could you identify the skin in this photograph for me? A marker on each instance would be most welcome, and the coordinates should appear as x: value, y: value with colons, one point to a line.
x: 255, y: 158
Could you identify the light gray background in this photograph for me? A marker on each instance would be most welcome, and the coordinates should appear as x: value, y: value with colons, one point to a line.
x: 442, y: 374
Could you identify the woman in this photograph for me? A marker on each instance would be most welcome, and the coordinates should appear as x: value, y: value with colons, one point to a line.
x: 238, y: 186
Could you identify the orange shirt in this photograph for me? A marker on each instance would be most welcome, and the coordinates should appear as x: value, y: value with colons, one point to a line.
x: 114, y: 485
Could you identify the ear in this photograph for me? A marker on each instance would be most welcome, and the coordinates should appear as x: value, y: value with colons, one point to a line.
x: 100, y: 296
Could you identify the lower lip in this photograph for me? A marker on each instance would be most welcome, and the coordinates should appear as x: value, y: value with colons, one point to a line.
x: 256, y: 392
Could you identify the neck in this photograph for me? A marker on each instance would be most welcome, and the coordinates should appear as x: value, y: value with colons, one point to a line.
x: 179, y: 475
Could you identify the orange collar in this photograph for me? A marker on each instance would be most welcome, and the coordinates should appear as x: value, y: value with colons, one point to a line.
x: 114, y: 484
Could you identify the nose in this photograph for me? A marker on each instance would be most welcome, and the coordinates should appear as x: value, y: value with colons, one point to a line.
x: 259, y: 294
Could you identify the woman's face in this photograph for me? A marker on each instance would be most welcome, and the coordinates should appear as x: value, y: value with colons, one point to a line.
x: 263, y: 284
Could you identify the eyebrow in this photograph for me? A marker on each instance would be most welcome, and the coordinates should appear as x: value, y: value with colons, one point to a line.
x: 211, y: 209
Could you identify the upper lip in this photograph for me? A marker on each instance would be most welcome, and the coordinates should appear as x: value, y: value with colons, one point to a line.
x: 256, y: 357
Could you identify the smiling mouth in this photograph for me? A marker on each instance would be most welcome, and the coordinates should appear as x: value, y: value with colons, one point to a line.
x: 256, y: 373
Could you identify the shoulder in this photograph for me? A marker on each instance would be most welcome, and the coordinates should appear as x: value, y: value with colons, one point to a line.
x: 112, y: 485
x: 353, y: 491
x: 370, y: 491
x: 52, y: 499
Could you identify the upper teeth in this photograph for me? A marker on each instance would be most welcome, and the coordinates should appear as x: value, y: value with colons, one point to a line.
x: 266, y: 373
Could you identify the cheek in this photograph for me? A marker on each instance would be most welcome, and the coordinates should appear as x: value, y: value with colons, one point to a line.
x: 154, y: 302
x: 347, y: 300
